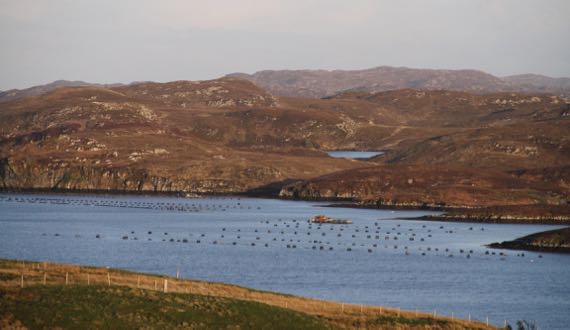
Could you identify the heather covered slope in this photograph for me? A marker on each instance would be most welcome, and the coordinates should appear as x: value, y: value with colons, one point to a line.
x: 230, y: 136
x: 429, y: 185
x: 181, y: 136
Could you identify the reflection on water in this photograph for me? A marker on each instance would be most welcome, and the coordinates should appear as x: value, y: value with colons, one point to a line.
x: 268, y: 244
x: 354, y: 154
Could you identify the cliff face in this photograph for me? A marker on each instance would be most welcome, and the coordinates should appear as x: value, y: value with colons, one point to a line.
x: 29, y: 175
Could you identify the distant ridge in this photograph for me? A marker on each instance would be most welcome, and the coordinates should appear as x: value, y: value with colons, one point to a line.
x: 535, y: 83
x: 322, y: 83
x: 325, y: 83
x: 15, y: 94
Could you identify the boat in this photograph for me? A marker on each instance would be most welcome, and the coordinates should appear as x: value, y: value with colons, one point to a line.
x: 328, y: 220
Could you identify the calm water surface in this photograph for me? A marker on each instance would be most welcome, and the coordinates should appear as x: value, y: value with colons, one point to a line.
x: 317, y: 262
x: 354, y: 154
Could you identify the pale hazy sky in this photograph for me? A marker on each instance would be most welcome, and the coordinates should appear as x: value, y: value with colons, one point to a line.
x: 128, y: 40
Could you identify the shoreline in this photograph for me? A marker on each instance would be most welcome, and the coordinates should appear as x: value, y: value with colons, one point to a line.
x: 495, y: 215
x: 484, y: 214
x: 517, y: 246
x: 556, y: 241
x: 489, y: 220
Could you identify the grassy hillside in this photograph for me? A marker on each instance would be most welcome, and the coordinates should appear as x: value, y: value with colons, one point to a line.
x: 42, y: 295
x: 82, y: 306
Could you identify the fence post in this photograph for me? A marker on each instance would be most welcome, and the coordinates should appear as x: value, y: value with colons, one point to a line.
x: 66, y: 276
x: 109, y: 279
x: 22, y: 281
x: 45, y: 278
x: 487, y: 321
x: 154, y: 285
x: 165, y: 285
x: 88, y: 279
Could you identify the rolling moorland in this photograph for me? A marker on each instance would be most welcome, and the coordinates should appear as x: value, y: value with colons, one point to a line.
x: 478, y: 155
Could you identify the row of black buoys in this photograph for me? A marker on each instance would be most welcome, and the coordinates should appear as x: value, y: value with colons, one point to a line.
x: 151, y: 205
x: 468, y: 253
x: 296, y: 228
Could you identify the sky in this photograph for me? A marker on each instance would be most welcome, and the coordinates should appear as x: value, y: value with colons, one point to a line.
x: 109, y: 41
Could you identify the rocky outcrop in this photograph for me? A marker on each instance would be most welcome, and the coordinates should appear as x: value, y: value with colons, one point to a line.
x: 29, y: 175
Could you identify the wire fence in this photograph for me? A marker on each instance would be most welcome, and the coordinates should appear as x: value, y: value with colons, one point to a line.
x: 25, y: 274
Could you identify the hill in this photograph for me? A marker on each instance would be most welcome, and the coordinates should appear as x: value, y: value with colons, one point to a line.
x: 534, y: 82
x: 322, y: 83
x: 180, y: 136
x: 15, y: 94
x: 230, y: 136
x: 466, y: 194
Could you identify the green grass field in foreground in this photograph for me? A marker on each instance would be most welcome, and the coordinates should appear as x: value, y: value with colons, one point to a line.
x: 41, y: 295
x: 82, y: 307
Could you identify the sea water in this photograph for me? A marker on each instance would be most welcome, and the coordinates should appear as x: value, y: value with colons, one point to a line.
x: 377, y: 260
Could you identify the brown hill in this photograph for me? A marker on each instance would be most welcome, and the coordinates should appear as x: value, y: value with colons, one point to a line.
x: 431, y: 186
x: 156, y: 137
x: 456, y: 149
x: 228, y: 135
x: 15, y: 94
x: 536, y: 83
x: 322, y: 83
